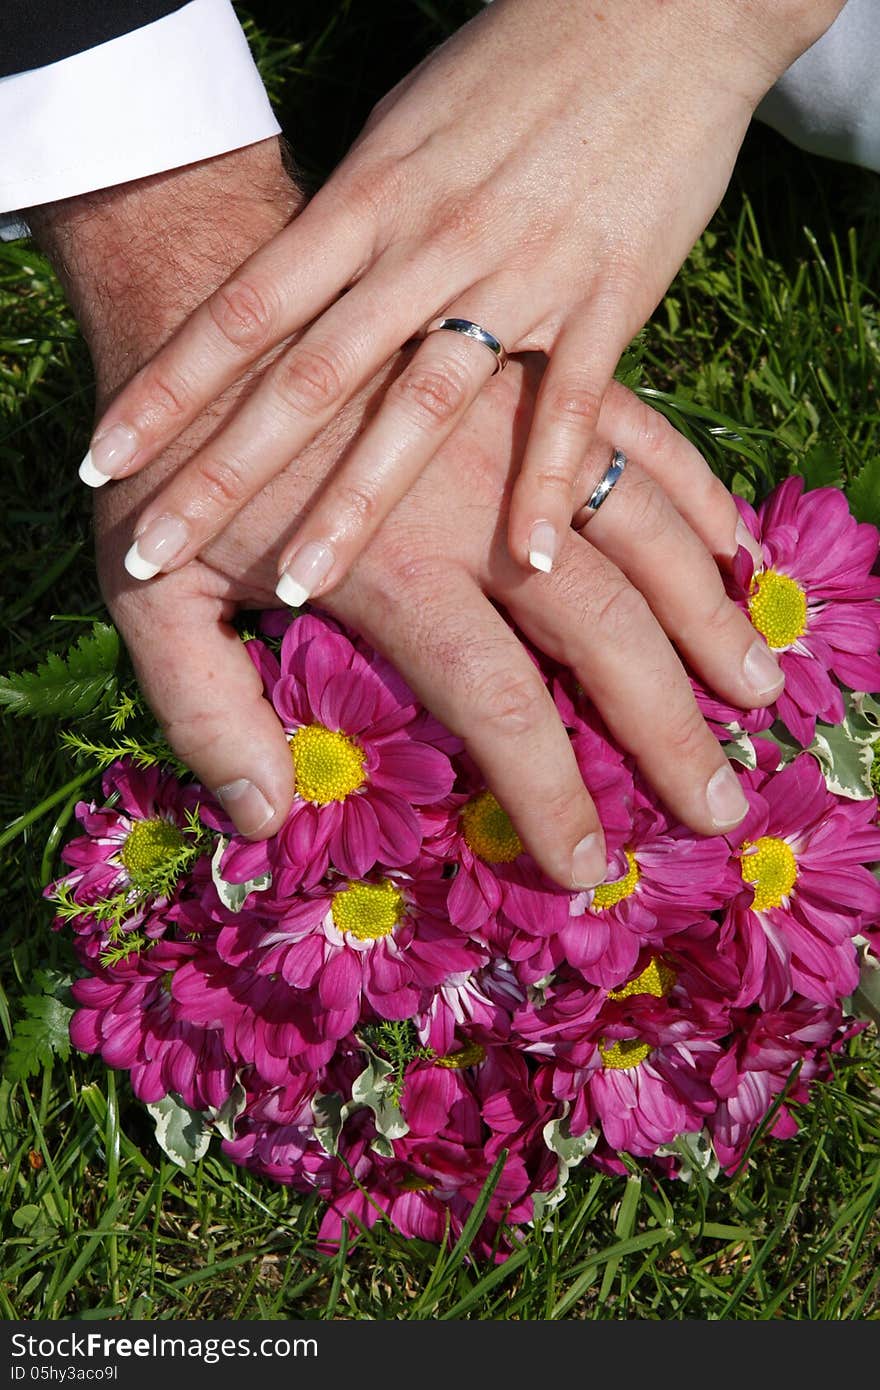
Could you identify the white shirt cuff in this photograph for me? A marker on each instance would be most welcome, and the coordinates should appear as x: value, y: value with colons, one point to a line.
x: 173, y: 92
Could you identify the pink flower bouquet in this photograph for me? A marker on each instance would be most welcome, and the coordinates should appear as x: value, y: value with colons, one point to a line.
x: 389, y: 1004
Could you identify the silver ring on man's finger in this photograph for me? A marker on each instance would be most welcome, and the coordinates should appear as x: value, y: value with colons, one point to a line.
x: 605, y: 485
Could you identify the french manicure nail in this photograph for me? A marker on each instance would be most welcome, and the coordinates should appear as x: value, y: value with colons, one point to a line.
x: 743, y: 536
x: 589, y: 864
x: 761, y: 669
x: 542, y: 546
x: 726, y: 798
x: 304, y: 573
x: 246, y: 805
x: 156, y: 546
x: 108, y: 455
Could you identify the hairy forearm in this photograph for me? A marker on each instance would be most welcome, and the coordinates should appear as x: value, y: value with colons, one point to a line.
x: 137, y: 258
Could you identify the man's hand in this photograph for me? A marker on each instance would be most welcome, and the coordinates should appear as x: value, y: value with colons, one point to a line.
x: 424, y: 591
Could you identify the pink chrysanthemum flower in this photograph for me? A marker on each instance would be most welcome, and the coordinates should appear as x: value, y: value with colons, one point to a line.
x: 128, y: 845
x: 275, y: 1134
x: 806, y: 890
x: 128, y: 1015
x: 765, y: 1048
x: 265, y: 1023
x: 463, y: 1110
x: 814, y: 601
x: 366, y: 756
x: 495, y: 877
x: 634, y: 1061
x: 479, y: 1004
x: 666, y: 877
x: 377, y: 943
x: 651, y: 1081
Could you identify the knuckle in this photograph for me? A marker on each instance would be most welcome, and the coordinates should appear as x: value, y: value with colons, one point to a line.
x: 575, y: 401
x: 400, y: 569
x: 240, y: 314
x: 310, y: 380
x: 166, y: 391
x: 461, y: 224
x: 685, y: 732
x: 509, y: 704
x: 648, y: 512
x: 558, y: 480
x: 372, y: 187
x: 194, y: 737
x: 356, y: 500
x: 220, y: 481
x: 620, y: 611
x: 652, y: 431
x: 434, y: 394
x: 559, y: 807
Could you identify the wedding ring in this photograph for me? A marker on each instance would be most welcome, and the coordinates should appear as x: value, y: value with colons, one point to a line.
x: 473, y: 330
x: 601, y: 490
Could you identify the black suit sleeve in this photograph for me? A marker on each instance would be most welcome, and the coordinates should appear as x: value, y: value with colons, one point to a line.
x: 36, y: 32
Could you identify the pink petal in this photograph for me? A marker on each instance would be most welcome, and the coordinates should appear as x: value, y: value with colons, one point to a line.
x: 340, y: 981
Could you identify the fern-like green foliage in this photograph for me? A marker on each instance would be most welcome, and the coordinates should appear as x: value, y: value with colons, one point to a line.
x: 66, y: 686
x: 397, y: 1042
x: 864, y: 492
x: 142, y: 752
x: 118, y: 912
x: 42, y: 1029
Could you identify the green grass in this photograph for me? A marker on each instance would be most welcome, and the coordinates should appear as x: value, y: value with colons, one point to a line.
x: 767, y: 353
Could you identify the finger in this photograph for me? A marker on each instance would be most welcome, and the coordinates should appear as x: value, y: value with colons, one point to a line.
x: 420, y: 410
x: 300, y: 394
x: 640, y: 531
x: 680, y: 469
x: 206, y: 693
x: 283, y: 286
x: 565, y: 421
x: 463, y: 661
x: 589, y: 617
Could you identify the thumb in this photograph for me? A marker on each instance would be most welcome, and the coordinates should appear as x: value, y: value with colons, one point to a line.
x: 206, y: 693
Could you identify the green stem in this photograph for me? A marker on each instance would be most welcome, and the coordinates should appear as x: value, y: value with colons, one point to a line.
x: 14, y: 830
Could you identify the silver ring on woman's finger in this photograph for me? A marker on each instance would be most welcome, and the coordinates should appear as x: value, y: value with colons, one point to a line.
x: 473, y: 330
x: 605, y: 484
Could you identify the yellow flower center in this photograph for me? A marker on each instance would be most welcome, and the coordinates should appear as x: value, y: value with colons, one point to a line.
x: 415, y: 1184
x: 368, y: 910
x: 778, y: 608
x: 150, y: 845
x: 468, y: 1056
x: 328, y: 765
x: 770, y: 865
x: 624, y: 1053
x: 488, y: 830
x: 610, y: 894
x: 656, y: 978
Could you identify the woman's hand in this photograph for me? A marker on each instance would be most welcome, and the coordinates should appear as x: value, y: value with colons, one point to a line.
x: 542, y: 174
x: 425, y: 592
x: 426, y: 589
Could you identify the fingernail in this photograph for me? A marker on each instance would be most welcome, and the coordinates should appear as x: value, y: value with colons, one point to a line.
x: 156, y: 546
x: 246, y: 805
x: 304, y: 573
x: 762, y: 670
x: 542, y: 546
x: 743, y: 536
x: 109, y: 454
x: 589, y: 864
x: 726, y: 798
